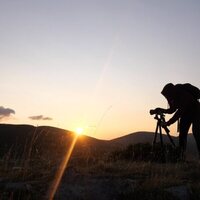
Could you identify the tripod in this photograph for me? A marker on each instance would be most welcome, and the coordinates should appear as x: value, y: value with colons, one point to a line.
x: 160, y: 117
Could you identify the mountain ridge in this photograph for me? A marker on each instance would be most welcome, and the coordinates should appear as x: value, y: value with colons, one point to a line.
x: 51, y: 138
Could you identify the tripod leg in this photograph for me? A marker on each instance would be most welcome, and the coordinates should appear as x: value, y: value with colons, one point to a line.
x: 161, y: 138
x: 170, y: 138
x: 163, y: 156
x: 156, y: 133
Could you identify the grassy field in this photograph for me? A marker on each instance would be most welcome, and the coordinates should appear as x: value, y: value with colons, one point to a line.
x: 30, y: 179
x: 92, y: 173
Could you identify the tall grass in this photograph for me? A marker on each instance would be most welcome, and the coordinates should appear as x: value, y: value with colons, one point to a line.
x: 29, y: 169
x: 37, y: 170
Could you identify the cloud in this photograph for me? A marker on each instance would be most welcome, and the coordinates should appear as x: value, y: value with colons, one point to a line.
x: 47, y: 118
x: 40, y: 117
x: 5, y: 112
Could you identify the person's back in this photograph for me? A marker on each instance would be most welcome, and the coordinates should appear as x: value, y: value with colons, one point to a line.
x: 185, y: 101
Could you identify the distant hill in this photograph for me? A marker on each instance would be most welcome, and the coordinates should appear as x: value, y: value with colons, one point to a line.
x: 20, y: 139
x: 52, y: 141
x: 147, y: 137
x: 43, y: 140
x: 139, y: 137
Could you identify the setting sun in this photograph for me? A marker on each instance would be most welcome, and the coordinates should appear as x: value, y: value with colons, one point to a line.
x: 79, y: 131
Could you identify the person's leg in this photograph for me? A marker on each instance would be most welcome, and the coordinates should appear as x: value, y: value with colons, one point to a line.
x: 196, y: 132
x: 185, y: 123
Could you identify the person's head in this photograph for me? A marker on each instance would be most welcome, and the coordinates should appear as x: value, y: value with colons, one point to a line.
x: 168, y: 91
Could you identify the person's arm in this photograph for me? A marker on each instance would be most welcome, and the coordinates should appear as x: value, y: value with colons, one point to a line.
x: 175, y: 117
x: 169, y: 110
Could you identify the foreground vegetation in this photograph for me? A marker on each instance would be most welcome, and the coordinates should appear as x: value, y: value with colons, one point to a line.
x: 27, y: 178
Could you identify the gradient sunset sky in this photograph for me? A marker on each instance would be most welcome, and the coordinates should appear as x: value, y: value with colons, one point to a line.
x: 96, y: 64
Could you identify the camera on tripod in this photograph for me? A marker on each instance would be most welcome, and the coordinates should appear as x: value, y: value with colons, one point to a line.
x: 161, y: 124
x: 156, y: 111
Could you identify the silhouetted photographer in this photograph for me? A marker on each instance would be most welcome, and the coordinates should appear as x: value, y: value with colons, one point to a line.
x: 183, y: 100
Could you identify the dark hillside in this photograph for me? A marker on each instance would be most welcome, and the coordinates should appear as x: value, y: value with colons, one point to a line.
x: 147, y: 137
x: 17, y: 140
x: 139, y: 137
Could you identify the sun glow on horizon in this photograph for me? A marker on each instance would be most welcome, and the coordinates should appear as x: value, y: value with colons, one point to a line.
x: 79, y: 131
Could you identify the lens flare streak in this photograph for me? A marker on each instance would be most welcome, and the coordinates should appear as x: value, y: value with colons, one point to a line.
x: 53, y: 188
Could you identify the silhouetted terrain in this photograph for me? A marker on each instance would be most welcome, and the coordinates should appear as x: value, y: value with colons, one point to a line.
x: 31, y: 156
x: 138, y: 137
x: 147, y: 137
x: 45, y: 139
